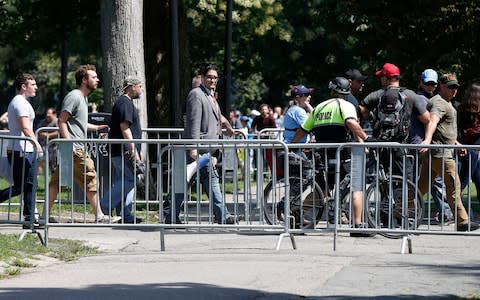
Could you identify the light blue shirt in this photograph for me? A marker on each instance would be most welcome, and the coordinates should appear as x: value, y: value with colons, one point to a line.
x: 293, y: 118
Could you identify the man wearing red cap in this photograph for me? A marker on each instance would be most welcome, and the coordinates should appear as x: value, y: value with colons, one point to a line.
x: 389, y: 76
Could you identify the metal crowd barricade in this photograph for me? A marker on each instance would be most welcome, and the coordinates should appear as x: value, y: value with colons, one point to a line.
x: 11, y: 203
x: 307, y: 190
x: 393, y: 206
x: 197, y: 214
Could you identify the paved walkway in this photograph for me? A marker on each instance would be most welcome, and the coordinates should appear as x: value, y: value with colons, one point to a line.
x: 238, y: 266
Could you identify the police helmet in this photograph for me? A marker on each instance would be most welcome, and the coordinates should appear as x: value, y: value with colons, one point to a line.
x: 340, y: 85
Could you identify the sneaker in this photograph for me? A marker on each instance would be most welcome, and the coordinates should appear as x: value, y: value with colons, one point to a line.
x: 105, y: 219
x: 232, y: 219
x: 361, y: 234
x: 36, y: 225
x: 465, y: 227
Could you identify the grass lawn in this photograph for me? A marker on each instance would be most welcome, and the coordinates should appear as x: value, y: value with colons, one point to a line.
x: 17, y: 255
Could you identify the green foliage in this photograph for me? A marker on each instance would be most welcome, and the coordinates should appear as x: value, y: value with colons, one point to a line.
x: 255, y: 22
x: 32, y: 34
x: 282, y: 43
x: 276, y: 44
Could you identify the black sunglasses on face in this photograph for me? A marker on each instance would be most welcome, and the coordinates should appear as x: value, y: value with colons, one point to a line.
x: 430, y: 83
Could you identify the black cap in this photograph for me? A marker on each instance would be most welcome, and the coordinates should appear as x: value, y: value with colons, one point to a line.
x: 355, y: 74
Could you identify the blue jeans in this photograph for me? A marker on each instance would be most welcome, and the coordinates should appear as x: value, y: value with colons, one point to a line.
x: 23, y: 181
x: 438, y: 190
x: 219, y: 209
x: 123, y: 183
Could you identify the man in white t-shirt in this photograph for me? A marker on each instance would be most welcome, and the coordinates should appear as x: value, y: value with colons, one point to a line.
x: 20, y: 153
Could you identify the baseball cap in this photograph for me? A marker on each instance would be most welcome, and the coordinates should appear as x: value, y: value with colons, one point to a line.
x: 450, y: 80
x: 355, y: 74
x: 301, y: 89
x: 388, y: 70
x: 255, y: 113
x: 131, y: 80
x: 429, y: 75
x: 244, y: 118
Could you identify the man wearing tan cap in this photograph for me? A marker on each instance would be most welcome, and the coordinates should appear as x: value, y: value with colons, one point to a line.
x: 124, y: 124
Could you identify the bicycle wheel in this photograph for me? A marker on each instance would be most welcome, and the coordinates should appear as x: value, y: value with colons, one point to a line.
x: 386, y: 212
x: 306, y: 202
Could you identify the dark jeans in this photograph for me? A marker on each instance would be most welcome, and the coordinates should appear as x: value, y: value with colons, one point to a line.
x: 23, y: 181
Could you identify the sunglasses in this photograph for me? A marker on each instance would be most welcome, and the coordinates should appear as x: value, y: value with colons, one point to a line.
x: 430, y: 83
x: 452, y: 87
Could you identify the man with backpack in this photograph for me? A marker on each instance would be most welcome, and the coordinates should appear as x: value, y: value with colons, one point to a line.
x: 392, y: 109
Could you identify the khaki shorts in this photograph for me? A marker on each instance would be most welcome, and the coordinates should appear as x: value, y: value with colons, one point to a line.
x: 83, y: 171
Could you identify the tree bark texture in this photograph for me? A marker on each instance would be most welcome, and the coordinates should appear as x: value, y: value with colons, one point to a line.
x: 122, y: 49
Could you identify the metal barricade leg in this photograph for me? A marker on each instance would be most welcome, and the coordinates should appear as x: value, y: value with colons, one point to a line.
x: 406, y: 240
x: 39, y: 235
x: 162, y: 240
x: 283, y: 235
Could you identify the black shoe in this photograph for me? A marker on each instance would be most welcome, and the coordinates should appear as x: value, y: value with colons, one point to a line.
x: 361, y: 234
x: 36, y: 225
x: 168, y: 220
x: 464, y: 227
x: 135, y: 220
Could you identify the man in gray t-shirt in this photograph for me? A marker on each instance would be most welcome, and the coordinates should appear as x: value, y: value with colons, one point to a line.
x: 75, y: 105
x: 73, y: 124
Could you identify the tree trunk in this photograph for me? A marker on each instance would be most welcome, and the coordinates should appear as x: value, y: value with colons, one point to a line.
x: 122, y: 49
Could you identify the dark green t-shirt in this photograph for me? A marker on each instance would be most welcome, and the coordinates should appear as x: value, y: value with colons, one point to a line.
x: 446, y: 132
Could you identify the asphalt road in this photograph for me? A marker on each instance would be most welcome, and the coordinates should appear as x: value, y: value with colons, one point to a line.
x: 239, y: 266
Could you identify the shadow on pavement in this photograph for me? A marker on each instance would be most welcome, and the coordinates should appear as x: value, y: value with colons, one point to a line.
x: 182, y: 290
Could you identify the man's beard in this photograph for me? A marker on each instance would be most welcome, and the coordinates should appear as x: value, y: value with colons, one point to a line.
x: 91, y: 86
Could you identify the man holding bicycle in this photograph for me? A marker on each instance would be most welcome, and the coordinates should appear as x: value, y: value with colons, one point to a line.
x: 331, y: 122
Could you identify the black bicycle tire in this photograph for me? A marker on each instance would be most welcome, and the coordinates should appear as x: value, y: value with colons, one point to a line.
x: 418, y: 203
x: 268, y: 210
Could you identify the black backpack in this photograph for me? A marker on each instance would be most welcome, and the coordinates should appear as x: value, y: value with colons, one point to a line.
x: 393, y: 116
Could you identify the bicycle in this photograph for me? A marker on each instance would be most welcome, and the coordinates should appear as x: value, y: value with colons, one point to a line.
x: 384, y: 200
x: 309, y: 193
x: 308, y: 199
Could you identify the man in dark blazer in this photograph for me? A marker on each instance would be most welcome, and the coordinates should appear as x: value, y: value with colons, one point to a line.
x: 204, y: 120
